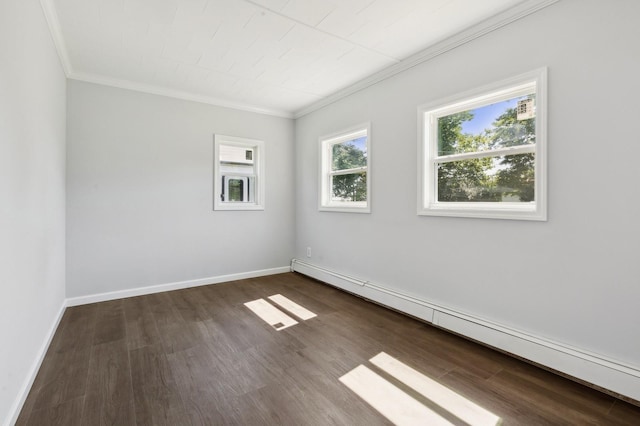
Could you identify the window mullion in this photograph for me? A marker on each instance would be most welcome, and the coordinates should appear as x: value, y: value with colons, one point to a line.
x: 504, y: 183
x: 348, y: 171
x: 345, y: 190
x: 512, y: 150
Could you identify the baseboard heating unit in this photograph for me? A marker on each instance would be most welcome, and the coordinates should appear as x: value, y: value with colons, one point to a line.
x: 614, y: 377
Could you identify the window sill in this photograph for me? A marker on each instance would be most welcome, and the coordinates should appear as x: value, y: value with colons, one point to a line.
x: 345, y: 208
x: 484, y: 210
x: 238, y: 206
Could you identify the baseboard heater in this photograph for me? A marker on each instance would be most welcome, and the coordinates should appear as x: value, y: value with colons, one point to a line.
x: 614, y: 377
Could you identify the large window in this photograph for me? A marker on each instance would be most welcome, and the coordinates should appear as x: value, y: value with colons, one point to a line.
x: 482, y: 154
x: 239, y: 173
x: 344, y: 180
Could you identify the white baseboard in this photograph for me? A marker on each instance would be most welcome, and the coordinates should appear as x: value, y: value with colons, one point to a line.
x: 102, y: 297
x: 33, y: 372
x: 140, y: 291
x: 615, y: 376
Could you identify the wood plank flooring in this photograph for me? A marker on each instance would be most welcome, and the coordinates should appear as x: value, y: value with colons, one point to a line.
x: 200, y: 357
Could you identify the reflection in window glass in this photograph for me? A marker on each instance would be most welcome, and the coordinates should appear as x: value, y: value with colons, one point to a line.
x: 236, y: 164
x: 239, y: 173
x: 236, y: 190
x: 230, y: 154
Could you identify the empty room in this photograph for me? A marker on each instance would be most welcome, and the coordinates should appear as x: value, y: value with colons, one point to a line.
x: 316, y: 212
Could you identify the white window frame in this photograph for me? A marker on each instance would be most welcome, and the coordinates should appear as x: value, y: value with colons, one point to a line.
x: 259, y: 173
x: 325, y: 203
x: 428, y: 150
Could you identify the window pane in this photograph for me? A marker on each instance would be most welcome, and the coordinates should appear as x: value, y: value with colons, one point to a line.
x: 236, y: 160
x: 236, y: 190
x: 349, y: 154
x: 239, y: 171
x: 350, y: 187
x: 236, y: 155
x: 508, y: 178
x: 498, y: 125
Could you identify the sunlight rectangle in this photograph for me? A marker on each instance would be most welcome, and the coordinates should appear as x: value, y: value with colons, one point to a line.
x: 291, y: 306
x: 390, y: 401
x: 455, y: 404
x: 270, y: 314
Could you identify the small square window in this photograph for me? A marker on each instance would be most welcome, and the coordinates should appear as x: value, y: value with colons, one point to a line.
x: 239, y: 173
x: 482, y: 154
x: 344, y: 181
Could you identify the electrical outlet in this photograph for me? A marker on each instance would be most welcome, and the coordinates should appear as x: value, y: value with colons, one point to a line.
x: 308, y: 251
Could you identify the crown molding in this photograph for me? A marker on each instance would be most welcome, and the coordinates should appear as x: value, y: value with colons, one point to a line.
x: 51, y: 16
x: 519, y: 11
x: 53, y: 22
x: 177, y: 94
x: 487, y: 26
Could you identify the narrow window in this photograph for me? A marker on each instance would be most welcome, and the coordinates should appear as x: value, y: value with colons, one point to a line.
x: 239, y: 173
x: 345, y: 173
x: 482, y: 154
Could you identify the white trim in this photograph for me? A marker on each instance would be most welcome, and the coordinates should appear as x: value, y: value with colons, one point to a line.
x: 324, y: 181
x: 489, y: 25
x: 17, y: 406
x: 505, y: 89
x: 15, y: 409
x: 175, y: 94
x: 51, y: 16
x: 53, y: 21
x: 511, y: 150
x: 140, y: 291
x: 598, y: 369
x: 428, y: 157
x: 259, y: 173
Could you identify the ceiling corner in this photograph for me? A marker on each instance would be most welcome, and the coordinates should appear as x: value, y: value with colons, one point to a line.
x: 519, y: 11
x: 177, y: 94
x: 51, y: 17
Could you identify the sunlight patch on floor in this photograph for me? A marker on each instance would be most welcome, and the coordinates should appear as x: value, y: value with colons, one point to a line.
x: 389, y: 400
x: 402, y: 409
x: 454, y: 403
x: 291, y: 306
x: 274, y: 316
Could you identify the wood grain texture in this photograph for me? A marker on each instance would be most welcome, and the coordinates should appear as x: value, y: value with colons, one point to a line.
x: 199, y: 357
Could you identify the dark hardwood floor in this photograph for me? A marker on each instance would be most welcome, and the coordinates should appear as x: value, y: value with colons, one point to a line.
x: 200, y: 357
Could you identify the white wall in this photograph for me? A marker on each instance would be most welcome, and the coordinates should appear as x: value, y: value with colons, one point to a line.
x: 574, y: 279
x: 32, y: 190
x: 140, y: 197
x: 139, y: 191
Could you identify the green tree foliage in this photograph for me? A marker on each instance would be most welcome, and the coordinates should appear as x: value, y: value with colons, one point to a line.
x: 517, y: 172
x: 480, y: 179
x: 353, y: 186
x: 463, y: 180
